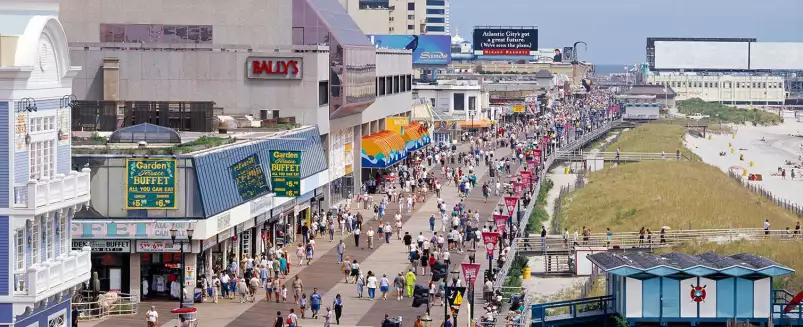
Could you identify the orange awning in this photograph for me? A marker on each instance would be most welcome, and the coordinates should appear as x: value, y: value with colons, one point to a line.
x: 382, y: 149
x: 475, y: 124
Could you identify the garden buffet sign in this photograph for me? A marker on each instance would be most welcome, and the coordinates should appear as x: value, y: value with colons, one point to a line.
x: 150, y: 183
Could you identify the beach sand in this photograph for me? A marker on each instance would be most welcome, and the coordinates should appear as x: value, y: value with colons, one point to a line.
x: 779, y: 145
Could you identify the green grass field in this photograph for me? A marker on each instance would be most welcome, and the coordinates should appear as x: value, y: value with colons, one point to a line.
x: 653, y: 138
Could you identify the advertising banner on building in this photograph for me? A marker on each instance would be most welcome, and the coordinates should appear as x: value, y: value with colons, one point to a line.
x: 249, y: 177
x: 285, y: 173
x: 64, y: 126
x: 517, y: 108
x: 274, y: 68
x: 397, y: 124
x: 505, y: 41
x: 21, y: 130
x: 490, y: 239
x: 427, y: 49
x: 96, y: 229
x: 531, y: 101
x: 150, y: 183
x: 122, y: 246
x: 500, y: 221
x: 510, y: 204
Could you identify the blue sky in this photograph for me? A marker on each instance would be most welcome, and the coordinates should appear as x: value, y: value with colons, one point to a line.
x: 616, y: 30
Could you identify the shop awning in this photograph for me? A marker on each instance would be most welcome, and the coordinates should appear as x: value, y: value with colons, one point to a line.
x: 382, y: 149
x: 475, y: 124
x: 415, y: 136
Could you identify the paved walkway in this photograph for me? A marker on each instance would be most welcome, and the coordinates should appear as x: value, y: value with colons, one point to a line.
x: 324, y: 273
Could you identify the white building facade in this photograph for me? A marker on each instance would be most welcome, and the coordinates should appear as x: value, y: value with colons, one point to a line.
x: 39, y: 191
x: 728, y: 89
x: 410, y: 17
x: 462, y: 99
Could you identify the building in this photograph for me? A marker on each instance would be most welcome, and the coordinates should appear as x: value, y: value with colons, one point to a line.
x: 648, y: 93
x: 458, y: 98
x: 727, y: 89
x: 220, y: 192
x: 271, y: 60
x: 39, y: 193
x: 400, y: 17
x: 678, y: 288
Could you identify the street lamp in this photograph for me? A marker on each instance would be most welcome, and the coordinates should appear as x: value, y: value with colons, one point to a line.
x: 173, y: 232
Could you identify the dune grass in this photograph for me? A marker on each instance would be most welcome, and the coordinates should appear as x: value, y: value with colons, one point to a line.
x: 653, y: 138
x: 720, y: 113
x: 683, y: 195
x: 784, y: 252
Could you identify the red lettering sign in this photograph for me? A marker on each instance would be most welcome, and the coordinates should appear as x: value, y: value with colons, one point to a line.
x: 510, y: 203
x: 470, y: 271
x: 500, y: 221
x: 275, y: 68
x: 490, y: 239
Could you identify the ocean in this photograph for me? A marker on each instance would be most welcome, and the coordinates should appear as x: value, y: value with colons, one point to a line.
x: 609, y: 69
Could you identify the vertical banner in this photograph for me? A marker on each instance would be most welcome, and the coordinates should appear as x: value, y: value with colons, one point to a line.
x: 64, y: 126
x: 518, y: 188
x: 531, y: 163
x: 531, y: 101
x: 20, y: 130
x: 285, y: 173
x: 490, y: 239
x: 455, y: 299
x: 500, y: 221
x: 470, y: 272
x: 510, y: 204
x: 525, y: 177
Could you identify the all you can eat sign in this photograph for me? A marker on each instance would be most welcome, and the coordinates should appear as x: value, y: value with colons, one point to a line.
x: 274, y: 68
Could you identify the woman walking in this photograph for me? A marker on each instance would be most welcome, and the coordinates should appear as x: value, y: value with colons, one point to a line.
x: 302, y: 305
x: 300, y: 253
x: 328, y: 317
x: 384, y: 286
x: 398, y: 283
x: 355, y: 270
x: 372, y: 284
x: 338, y: 304
x: 346, y: 266
x: 310, y: 251
x: 268, y: 289
x: 360, y: 286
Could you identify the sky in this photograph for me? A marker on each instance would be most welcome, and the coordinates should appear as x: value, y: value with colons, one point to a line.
x: 616, y: 30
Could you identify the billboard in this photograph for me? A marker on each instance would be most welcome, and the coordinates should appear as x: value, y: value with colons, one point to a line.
x: 397, y: 124
x: 427, y: 49
x: 505, y: 41
x: 702, y: 55
x: 150, y: 183
x: 776, y: 56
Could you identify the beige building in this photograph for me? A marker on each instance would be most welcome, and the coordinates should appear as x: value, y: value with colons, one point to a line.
x: 400, y: 16
x: 738, y: 90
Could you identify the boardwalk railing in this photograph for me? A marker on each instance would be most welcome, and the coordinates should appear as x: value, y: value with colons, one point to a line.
x: 572, y: 311
x: 612, y: 156
x: 630, y: 240
x: 124, y: 304
x: 781, y: 202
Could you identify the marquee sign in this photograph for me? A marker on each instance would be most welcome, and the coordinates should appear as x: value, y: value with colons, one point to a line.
x: 274, y: 68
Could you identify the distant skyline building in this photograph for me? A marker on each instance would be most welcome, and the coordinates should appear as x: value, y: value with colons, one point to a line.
x: 410, y: 17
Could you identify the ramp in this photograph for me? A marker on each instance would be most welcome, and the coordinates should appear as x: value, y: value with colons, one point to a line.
x: 596, y: 310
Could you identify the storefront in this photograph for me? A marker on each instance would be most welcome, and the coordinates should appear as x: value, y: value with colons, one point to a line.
x: 160, y: 266
x: 341, y: 165
x: 109, y: 259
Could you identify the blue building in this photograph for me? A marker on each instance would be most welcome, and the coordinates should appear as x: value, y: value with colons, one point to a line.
x: 681, y: 288
x: 39, y: 193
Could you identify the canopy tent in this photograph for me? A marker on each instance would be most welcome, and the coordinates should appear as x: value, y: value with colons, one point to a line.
x: 382, y: 149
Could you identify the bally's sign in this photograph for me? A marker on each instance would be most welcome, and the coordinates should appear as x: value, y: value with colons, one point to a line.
x: 274, y: 68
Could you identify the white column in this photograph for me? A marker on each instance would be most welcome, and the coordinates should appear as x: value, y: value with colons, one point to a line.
x: 135, y: 275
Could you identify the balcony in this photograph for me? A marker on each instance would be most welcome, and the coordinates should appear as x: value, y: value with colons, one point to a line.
x: 56, y: 275
x: 50, y: 194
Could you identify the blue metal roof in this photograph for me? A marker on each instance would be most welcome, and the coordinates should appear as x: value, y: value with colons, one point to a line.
x: 699, y: 265
x: 643, y: 105
x: 213, y: 169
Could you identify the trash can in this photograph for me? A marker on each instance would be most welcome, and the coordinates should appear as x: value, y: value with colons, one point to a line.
x: 525, y: 273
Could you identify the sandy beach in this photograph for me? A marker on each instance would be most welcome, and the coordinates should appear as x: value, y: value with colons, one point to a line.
x: 778, y: 146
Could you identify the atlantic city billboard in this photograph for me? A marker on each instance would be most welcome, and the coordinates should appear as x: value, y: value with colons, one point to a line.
x: 505, y: 41
x: 427, y: 49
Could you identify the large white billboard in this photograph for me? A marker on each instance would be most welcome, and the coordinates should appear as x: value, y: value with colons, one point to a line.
x: 776, y: 55
x: 701, y: 55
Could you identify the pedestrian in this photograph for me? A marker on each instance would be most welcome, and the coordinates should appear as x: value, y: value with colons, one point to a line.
x: 279, y: 321
x: 398, y: 283
x: 432, y: 223
x: 298, y: 287
x: 284, y: 293
x: 409, y: 282
x: 277, y: 287
x: 302, y: 305
x: 355, y: 270
x: 338, y: 304
x: 269, y: 289
x: 328, y: 317
x: 360, y: 286
x: 341, y: 250
x: 356, y: 237
x: 75, y: 314
x: 384, y: 286
x: 310, y: 249
x: 346, y: 267
x: 292, y: 319
x: 370, y: 235
x: 242, y: 287
x: 254, y: 286
x: 152, y: 317
x: 300, y: 253
x: 315, y: 302
x: 372, y: 283
x: 215, y: 288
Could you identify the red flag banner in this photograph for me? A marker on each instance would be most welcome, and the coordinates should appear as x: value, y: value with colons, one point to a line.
x: 470, y: 271
x: 490, y: 239
x: 510, y: 203
x: 500, y: 221
x: 525, y: 176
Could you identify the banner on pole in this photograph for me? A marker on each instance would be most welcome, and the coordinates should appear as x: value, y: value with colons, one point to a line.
x: 510, y: 203
x: 500, y: 221
x: 470, y: 272
x: 455, y: 299
x: 525, y: 177
x: 518, y: 188
x: 490, y: 239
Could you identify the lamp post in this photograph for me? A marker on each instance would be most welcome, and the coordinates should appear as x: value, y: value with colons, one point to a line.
x: 173, y: 232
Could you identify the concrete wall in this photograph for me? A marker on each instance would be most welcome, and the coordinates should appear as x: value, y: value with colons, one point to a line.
x: 370, y: 21
x: 254, y: 22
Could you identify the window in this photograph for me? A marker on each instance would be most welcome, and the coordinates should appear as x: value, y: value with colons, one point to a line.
x: 436, y: 29
x: 390, y: 18
x: 411, y: 6
x: 396, y: 85
x: 43, y: 124
x: 323, y: 93
x: 411, y: 17
x: 155, y: 33
x: 459, y: 101
x: 42, y: 159
x: 35, y: 240
x: 435, y: 20
x: 411, y: 27
x: 436, y: 3
x: 47, y: 236
x: 64, y: 234
x: 472, y: 103
x: 57, y: 321
x: 436, y: 12
x: 432, y: 102
x: 380, y: 86
x: 19, y: 248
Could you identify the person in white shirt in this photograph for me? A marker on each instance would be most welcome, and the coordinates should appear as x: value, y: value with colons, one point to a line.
x: 372, y: 283
x: 152, y: 317
x: 370, y: 235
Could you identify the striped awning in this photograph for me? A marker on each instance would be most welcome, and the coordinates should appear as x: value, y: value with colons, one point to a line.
x: 475, y: 124
x: 382, y: 149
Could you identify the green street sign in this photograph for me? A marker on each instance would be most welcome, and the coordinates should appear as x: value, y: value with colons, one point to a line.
x: 285, y: 173
x: 249, y: 177
x: 150, y: 183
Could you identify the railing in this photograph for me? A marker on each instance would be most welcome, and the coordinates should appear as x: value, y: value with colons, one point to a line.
x: 780, y: 299
x: 576, y: 311
x: 629, y: 240
x: 54, y: 275
x: 124, y: 304
x: 34, y: 194
x: 781, y: 202
x: 622, y: 156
